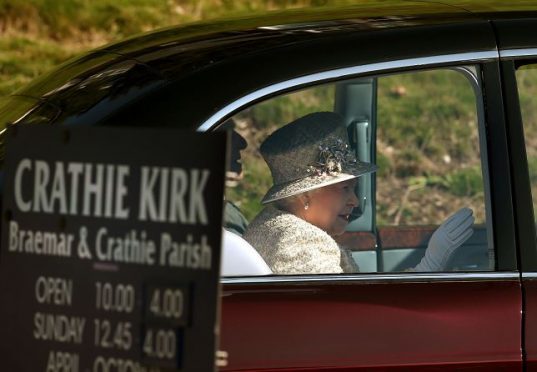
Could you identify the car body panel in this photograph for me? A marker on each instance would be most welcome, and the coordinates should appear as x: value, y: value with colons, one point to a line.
x: 197, y: 76
x: 390, y: 324
x: 530, y: 321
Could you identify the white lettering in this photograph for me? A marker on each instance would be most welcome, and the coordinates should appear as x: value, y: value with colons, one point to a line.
x: 75, y: 170
x: 62, y: 362
x: 178, y: 189
x: 102, y: 189
x: 58, y: 189
x: 130, y: 248
x: 13, y: 236
x: 147, y: 200
x: 101, y: 254
x: 109, y: 189
x: 21, y: 204
x: 57, y: 291
x: 61, y: 328
x: 185, y: 254
x: 121, y: 192
x: 39, y: 242
x: 163, y: 193
x: 102, y: 364
x: 42, y: 173
x: 172, y: 196
x: 197, y: 204
x: 93, y: 188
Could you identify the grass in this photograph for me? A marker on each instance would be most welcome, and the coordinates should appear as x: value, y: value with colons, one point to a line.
x: 23, y: 59
x: 37, y: 35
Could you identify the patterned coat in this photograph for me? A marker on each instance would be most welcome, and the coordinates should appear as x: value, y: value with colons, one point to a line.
x: 290, y: 245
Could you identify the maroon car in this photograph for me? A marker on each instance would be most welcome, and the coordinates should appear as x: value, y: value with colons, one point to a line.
x: 440, y: 96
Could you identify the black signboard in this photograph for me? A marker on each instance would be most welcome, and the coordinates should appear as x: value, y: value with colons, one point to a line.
x: 110, y: 249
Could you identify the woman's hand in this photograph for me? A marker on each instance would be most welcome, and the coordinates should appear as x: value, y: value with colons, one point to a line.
x: 446, y: 239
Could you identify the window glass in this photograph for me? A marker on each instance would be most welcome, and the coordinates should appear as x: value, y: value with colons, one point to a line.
x: 421, y: 130
x: 427, y: 149
x: 527, y: 88
x: 255, y: 124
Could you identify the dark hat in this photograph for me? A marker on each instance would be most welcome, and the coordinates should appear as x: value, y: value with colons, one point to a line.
x: 308, y: 153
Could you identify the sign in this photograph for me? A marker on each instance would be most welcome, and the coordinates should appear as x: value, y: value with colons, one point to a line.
x: 110, y: 249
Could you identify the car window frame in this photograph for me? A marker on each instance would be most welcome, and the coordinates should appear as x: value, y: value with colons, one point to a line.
x: 510, y: 61
x: 487, y: 63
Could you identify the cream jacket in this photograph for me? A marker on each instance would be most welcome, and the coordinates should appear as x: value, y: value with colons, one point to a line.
x: 290, y: 245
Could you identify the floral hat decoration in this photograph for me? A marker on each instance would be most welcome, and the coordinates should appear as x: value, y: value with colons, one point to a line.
x: 308, y: 153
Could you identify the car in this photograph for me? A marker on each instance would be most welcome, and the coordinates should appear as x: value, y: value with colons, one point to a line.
x: 440, y: 96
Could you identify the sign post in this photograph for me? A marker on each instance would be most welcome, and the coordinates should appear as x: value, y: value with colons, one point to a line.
x: 110, y: 249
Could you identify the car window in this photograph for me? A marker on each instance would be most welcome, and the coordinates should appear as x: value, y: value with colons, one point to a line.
x: 423, y: 130
x: 526, y: 77
x: 430, y: 165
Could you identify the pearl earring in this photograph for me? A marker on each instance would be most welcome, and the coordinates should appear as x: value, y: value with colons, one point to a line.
x: 306, y: 206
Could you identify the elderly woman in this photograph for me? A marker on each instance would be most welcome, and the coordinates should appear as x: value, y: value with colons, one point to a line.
x: 314, y: 175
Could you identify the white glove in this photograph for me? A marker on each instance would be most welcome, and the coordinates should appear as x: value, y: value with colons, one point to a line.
x: 446, y: 239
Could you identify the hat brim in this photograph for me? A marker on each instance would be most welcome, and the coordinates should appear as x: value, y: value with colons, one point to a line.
x: 296, y: 187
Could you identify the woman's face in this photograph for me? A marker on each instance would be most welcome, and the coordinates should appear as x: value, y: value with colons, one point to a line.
x: 329, y: 207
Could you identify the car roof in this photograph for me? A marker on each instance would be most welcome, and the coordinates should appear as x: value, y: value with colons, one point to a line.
x: 212, y: 49
x: 364, y: 15
x: 361, y: 15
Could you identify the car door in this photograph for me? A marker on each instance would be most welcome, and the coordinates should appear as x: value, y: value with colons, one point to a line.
x: 387, y: 317
x: 518, y: 64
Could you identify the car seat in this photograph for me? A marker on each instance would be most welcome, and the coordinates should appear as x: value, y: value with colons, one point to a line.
x: 239, y: 258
